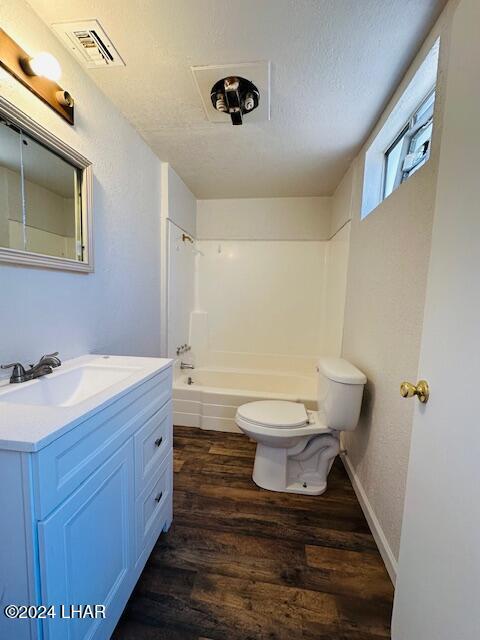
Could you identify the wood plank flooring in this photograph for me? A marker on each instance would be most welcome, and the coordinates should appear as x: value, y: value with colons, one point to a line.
x: 241, y: 563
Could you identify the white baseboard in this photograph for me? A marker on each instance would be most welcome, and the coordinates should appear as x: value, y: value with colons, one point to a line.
x: 377, y: 531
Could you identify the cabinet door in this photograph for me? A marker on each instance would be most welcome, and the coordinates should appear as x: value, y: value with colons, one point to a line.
x: 86, y: 550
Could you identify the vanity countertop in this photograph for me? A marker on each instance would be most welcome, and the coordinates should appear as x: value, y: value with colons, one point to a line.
x: 27, y: 425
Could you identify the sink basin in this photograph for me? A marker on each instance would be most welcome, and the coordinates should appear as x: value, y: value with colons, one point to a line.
x: 68, y: 388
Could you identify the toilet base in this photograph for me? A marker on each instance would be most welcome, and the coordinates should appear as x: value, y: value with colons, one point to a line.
x: 301, y: 469
x: 295, y: 487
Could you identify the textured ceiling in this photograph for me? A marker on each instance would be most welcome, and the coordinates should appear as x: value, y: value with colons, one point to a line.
x: 334, y: 65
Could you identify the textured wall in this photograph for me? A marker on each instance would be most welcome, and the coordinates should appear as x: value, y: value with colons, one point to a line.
x: 115, y: 309
x: 335, y: 291
x: 389, y: 254
x: 342, y: 202
x: 182, y: 204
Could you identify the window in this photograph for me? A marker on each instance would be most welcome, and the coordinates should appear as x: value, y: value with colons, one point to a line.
x: 411, y: 149
x: 402, y: 140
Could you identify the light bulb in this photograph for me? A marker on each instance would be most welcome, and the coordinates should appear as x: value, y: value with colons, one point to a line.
x: 249, y: 102
x: 46, y: 65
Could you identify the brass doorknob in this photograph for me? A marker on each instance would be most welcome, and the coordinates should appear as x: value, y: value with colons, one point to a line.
x: 422, y: 390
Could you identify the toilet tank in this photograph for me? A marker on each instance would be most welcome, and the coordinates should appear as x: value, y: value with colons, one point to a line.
x: 340, y: 391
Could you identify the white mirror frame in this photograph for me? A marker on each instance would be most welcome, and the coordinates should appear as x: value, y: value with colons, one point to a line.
x: 26, y: 258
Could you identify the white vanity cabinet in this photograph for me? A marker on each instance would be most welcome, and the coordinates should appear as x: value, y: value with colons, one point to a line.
x: 80, y: 515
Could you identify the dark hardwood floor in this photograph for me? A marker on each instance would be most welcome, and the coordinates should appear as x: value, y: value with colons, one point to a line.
x: 241, y: 563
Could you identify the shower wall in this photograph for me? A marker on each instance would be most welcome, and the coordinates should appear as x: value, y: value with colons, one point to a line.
x: 178, y: 217
x: 263, y: 285
x: 181, y: 269
x: 271, y: 283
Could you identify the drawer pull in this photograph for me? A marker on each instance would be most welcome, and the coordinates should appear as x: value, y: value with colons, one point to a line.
x: 159, y: 497
x: 158, y: 442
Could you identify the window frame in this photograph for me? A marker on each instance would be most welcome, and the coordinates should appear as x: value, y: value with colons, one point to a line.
x: 408, y: 132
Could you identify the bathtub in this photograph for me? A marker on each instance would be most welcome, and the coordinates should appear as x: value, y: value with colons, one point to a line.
x: 212, y: 398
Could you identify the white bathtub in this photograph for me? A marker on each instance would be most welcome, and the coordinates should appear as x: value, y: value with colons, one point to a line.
x: 211, y: 401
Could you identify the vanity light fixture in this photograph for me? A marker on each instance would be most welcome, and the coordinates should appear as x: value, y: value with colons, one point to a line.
x: 43, y: 64
x: 39, y: 73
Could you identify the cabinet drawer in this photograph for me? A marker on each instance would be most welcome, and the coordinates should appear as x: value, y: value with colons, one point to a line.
x: 65, y: 464
x: 151, y: 505
x: 152, y: 442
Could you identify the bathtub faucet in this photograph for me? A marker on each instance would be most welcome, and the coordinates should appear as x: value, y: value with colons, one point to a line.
x: 184, y: 365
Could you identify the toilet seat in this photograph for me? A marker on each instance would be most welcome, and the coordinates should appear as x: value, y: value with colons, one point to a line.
x: 256, y: 419
x: 277, y: 414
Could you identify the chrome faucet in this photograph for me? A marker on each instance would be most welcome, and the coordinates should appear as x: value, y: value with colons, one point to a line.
x: 44, y: 366
x: 185, y: 365
x: 51, y: 360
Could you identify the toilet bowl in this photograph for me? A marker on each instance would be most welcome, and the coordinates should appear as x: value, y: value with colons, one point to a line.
x: 296, y: 447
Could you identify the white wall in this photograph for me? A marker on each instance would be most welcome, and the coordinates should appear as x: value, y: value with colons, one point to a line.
x: 337, y: 266
x: 180, y: 203
x: 389, y: 253
x: 335, y: 291
x: 115, y: 309
x: 262, y: 283
x: 181, y: 285
x: 342, y: 202
x: 264, y: 219
x: 262, y: 297
x: 178, y: 215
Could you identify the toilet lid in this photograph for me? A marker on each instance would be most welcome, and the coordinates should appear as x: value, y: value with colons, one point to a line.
x: 274, y: 413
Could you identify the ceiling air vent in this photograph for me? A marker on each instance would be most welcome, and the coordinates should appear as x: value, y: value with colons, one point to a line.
x: 89, y: 43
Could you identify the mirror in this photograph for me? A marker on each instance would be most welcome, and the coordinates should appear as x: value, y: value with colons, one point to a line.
x: 44, y: 199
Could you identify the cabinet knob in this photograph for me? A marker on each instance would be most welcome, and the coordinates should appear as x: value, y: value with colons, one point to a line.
x: 158, y: 442
x: 159, y: 497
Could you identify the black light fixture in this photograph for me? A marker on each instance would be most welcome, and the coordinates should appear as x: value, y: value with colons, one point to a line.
x: 235, y: 96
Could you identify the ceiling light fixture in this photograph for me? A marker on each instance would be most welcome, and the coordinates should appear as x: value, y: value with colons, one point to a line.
x: 235, y: 96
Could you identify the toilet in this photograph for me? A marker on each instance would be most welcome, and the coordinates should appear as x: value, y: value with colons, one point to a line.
x: 296, y: 447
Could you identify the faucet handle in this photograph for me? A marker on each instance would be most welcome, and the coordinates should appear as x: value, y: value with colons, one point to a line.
x: 18, y: 373
x: 50, y: 355
x: 12, y: 364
